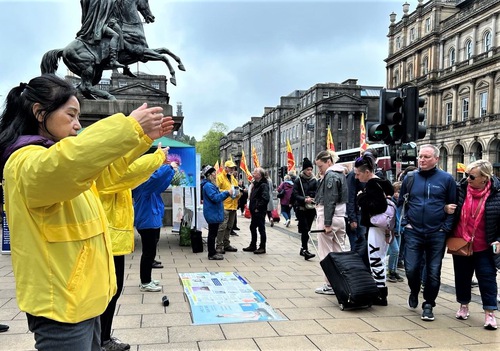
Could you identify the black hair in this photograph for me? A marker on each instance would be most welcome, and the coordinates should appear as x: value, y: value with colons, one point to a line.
x: 365, y: 162
x: 18, y: 118
x: 372, y: 151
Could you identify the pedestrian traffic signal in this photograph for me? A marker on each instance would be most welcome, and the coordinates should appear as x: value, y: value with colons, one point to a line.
x: 389, y: 128
x: 282, y: 172
x: 412, y: 116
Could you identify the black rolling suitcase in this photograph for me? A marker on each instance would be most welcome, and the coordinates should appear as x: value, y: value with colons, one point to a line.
x: 350, y: 279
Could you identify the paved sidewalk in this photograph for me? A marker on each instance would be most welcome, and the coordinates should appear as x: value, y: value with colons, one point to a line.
x: 315, y: 322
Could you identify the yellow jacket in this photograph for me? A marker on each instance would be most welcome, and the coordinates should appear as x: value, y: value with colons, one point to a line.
x: 224, y: 184
x: 60, y: 245
x: 117, y: 200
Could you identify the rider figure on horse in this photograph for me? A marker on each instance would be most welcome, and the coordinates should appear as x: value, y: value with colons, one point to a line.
x: 97, y: 22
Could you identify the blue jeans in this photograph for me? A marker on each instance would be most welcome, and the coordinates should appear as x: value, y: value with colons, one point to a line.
x: 393, y: 253
x: 285, y: 211
x: 430, y: 246
x: 51, y: 335
x: 483, y: 264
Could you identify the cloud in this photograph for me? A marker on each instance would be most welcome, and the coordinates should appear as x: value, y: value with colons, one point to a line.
x: 240, y: 56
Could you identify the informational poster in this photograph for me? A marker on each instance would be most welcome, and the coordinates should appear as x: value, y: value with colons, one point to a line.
x: 185, y: 157
x: 225, y: 297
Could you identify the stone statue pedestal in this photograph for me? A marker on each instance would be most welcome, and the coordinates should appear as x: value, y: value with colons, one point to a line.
x: 95, y: 110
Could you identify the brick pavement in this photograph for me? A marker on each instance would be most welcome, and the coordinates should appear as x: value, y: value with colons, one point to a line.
x: 315, y: 322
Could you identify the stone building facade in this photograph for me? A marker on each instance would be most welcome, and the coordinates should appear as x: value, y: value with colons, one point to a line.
x: 449, y: 50
x: 302, y: 117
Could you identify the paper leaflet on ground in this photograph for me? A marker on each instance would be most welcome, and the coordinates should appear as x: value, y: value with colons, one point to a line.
x: 225, y: 297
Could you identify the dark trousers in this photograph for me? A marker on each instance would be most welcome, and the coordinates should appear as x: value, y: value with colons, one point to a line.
x: 483, y: 264
x: 51, y: 335
x: 107, y: 316
x: 428, y: 246
x: 357, y: 240
x: 149, y: 243
x: 258, y: 221
x: 306, y: 219
x: 213, y: 229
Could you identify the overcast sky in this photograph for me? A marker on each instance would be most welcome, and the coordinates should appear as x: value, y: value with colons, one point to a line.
x: 240, y: 56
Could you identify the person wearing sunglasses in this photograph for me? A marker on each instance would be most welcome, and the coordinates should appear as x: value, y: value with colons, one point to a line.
x: 426, y: 226
x: 477, y: 219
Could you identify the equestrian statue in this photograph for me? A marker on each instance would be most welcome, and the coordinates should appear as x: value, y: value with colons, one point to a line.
x: 112, y: 36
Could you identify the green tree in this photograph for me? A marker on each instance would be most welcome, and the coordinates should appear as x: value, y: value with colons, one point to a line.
x: 186, y: 139
x: 209, y: 145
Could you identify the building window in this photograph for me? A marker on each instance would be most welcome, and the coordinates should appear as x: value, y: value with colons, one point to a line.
x: 326, y: 94
x: 339, y: 123
x: 122, y: 84
x: 487, y: 41
x: 483, y: 104
x: 314, y: 96
x: 465, y: 109
x: 427, y: 24
x: 425, y: 65
x: 396, y: 78
x: 412, y: 34
x: 449, y: 112
x: 410, y: 72
x: 398, y: 43
x: 468, y: 50
x: 155, y: 85
x: 451, y: 56
x: 339, y: 146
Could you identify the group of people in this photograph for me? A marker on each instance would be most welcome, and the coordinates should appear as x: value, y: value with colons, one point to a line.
x: 431, y: 208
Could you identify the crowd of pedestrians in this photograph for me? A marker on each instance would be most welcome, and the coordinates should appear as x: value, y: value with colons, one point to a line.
x: 72, y: 202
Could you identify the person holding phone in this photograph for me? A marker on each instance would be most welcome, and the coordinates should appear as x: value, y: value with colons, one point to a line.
x: 477, y: 219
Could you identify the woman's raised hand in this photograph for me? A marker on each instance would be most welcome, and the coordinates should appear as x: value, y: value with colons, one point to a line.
x: 152, y: 121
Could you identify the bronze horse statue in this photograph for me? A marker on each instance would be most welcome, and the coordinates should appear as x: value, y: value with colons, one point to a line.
x: 90, y: 60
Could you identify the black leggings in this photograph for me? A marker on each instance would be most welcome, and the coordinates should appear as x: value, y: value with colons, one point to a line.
x: 149, y: 241
x: 107, y: 316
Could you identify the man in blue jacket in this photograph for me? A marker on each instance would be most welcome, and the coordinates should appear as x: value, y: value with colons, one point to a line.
x: 426, y: 226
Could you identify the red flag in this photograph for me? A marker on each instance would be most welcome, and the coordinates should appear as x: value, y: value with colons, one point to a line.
x: 255, y: 159
x: 329, y: 140
x: 243, y: 166
x: 362, y: 135
x: 290, y: 158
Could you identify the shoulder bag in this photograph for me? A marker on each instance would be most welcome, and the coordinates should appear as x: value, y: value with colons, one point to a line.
x: 308, y: 206
x: 460, y: 246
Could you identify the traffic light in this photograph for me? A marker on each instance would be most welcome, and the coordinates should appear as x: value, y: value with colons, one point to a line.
x: 389, y: 128
x: 282, y: 171
x: 412, y: 116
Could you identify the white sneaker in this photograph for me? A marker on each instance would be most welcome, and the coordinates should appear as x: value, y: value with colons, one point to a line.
x: 325, y: 290
x: 151, y: 287
x: 155, y: 282
x: 287, y: 223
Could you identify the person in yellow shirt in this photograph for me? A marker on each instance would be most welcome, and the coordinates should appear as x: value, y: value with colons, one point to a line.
x: 226, y: 181
x: 60, y: 244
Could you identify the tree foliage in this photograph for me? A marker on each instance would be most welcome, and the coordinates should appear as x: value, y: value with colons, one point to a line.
x: 209, y: 145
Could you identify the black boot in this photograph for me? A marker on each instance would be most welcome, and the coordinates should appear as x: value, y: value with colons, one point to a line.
x: 260, y: 250
x: 307, y: 255
x: 381, y: 299
x: 250, y: 248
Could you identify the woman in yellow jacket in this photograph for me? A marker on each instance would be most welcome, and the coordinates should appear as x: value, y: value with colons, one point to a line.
x: 117, y: 203
x: 60, y: 244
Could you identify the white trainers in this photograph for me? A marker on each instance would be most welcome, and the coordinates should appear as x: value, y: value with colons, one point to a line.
x: 151, y: 287
x: 287, y: 223
x: 155, y: 282
x: 325, y: 290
